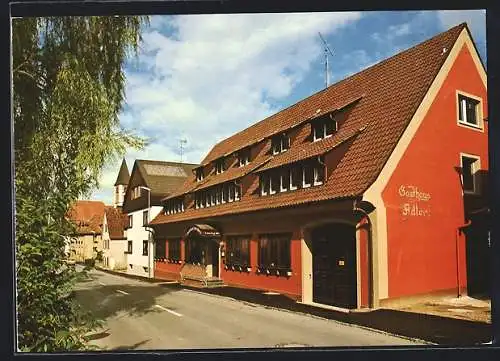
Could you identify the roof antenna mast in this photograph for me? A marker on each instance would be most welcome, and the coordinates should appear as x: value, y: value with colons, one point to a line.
x: 326, y: 50
x: 182, y: 142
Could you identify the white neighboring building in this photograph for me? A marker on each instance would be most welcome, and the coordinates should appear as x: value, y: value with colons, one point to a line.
x: 150, y: 182
x: 114, y: 239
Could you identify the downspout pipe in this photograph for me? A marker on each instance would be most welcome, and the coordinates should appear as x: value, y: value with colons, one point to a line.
x: 370, y: 253
x: 460, y: 230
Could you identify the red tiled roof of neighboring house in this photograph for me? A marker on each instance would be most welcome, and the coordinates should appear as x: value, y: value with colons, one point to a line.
x: 88, y: 216
x: 385, y: 96
x: 117, y: 221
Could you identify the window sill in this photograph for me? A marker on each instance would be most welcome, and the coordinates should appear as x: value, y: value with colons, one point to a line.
x: 283, y: 272
x: 470, y: 125
x: 177, y: 261
x: 238, y: 268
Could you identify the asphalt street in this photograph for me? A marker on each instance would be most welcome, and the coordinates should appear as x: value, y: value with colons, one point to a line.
x: 144, y: 316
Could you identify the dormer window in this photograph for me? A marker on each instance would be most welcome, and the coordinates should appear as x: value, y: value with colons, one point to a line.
x: 244, y: 157
x: 280, y: 143
x: 199, y: 174
x: 323, y: 128
x: 219, y: 166
x: 174, y: 206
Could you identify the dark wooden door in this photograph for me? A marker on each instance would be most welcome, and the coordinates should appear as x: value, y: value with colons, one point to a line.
x: 334, y: 266
x: 478, y: 258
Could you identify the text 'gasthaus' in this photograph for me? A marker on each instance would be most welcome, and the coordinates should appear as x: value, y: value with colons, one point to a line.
x: 409, y: 191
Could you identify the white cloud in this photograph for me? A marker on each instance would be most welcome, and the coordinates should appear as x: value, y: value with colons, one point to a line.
x: 476, y: 20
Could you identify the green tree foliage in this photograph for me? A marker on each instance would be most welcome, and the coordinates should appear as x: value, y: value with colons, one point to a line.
x: 68, y: 91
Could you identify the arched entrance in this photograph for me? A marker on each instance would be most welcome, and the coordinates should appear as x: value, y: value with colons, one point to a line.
x: 334, y: 265
x: 202, y: 248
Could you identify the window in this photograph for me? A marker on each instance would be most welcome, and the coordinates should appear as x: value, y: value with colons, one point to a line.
x: 130, y: 221
x: 174, y: 249
x: 237, y: 192
x: 145, y: 219
x: 231, y: 193
x: 224, y: 194
x: 129, y: 247
x: 264, y: 184
x: 244, y: 157
x: 275, y: 183
x: 295, y: 177
x: 136, y: 192
x: 323, y: 128
x: 160, y: 250
x: 319, y: 172
x: 468, y: 111
x: 307, y: 176
x: 280, y: 143
x: 238, y: 251
x: 144, y: 248
x: 219, y: 166
x: 199, y: 174
x: 175, y: 205
x: 284, y: 180
x: 274, y: 251
x: 470, y: 165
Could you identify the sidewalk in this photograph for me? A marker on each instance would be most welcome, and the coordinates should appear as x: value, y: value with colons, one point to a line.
x: 416, y: 322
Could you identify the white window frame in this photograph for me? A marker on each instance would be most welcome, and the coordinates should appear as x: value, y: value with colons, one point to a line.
x: 271, y: 176
x: 316, y: 171
x: 223, y: 200
x: 219, y: 166
x: 292, y: 187
x: 479, y: 112
x: 237, y: 191
x: 244, y: 159
x: 282, y: 177
x: 263, y: 190
x: 476, y: 168
x: 304, y: 184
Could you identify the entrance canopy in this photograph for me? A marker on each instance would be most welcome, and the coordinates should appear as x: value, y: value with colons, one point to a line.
x: 202, y: 230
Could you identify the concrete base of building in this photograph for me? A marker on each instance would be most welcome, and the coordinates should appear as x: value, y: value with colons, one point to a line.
x: 326, y: 307
x: 419, y: 298
x: 139, y: 270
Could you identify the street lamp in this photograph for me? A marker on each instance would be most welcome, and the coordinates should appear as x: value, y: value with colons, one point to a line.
x: 149, y: 233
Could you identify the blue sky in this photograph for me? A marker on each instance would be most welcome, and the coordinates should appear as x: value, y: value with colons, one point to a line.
x: 204, y: 77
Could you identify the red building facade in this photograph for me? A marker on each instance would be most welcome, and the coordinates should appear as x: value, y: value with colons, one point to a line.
x: 356, y: 196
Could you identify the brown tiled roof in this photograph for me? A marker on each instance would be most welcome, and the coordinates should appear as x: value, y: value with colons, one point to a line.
x: 232, y: 173
x: 88, y: 216
x: 309, y: 150
x: 117, y: 221
x: 390, y: 91
x: 164, y: 177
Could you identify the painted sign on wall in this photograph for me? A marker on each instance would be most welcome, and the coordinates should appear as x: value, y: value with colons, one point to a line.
x: 414, y: 201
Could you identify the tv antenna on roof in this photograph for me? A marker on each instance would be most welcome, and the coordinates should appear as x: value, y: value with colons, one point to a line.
x: 326, y: 50
x: 182, y: 142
